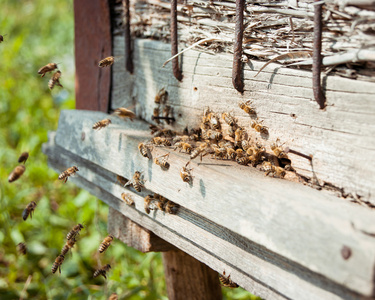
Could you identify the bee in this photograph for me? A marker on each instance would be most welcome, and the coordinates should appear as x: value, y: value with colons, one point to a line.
x: 214, y: 121
x: 228, y: 119
x: 214, y: 135
x: 127, y: 198
x: 68, y: 172
x: 23, y: 158
x: 245, y: 160
x: 185, y: 173
x: 47, y: 68
x: 160, y: 201
x: 245, y: 145
x: 102, y: 271
x: 219, y: 152
x: 166, y: 111
x: 161, y: 96
x: 156, y: 114
x: 22, y: 248
x: 106, y: 62
x: 231, y: 153
x: 57, y: 264
x: 113, y: 296
x: 159, y: 141
x: 2, y: 38
x: 238, y: 136
x: 106, y: 243
x: 164, y: 132
x: 279, y: 152
x: 240, y: 153
x: 186, y: 147
x: 274, y: 171
x: 206, y: 117
x: 246, y: 107
x: 137, y: 182
x: 180, y: 138
x: 124, y: 113
x: 171, y: 207
x: 148, y: 199
x: 144, y: 149
x: 68, y: 245
x: 226, y: 281
x: 162, y: 161
x: 101, y: 124
x: 55, y: 79
x: 74, y: 232
x: 16, y: 173
x: 28, y: 210
x: 198, y: 150
x: 259, y: 127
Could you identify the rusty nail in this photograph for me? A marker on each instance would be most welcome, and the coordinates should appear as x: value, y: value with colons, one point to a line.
x: 172, y: 119
x: 317, y: 55
x: 287, y: 149
x: 237, y: 56
x: 128, y: 49
x: 174, y: 41
x: 346, y: 252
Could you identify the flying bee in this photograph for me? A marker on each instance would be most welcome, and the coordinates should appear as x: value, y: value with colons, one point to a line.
x: 28, y: 210
x: 148, y: 199
x: 16, y: 173
x: 279, y: 152
x: 246, y: 107
x: 106, y: 243
x: 137, y: 182
x: 127, y: 198
x: 124, y: 113
x: 162, y: 161
x: 228, y: 118
x: 74, y: 232
x: 185, y: 173
x: 102, y: 271
x: 145, y: 150
x: 226, y: 281
x: 2, y: 38
x: 101, y: 124
x: 22, y: 248
x: 113, y: 296
x: 107, y: 62
x: 68, y: 245
x: 47, y: 68
x: 159, y: 141
x: 23, y: 158
x: 55, y: 79
x: 155, y: 114
x: 68, y: 172
x: 161, y: 96
x: 57, y: 264
x: 186, y: 147
x: 201, y: 148
x: 259, y: 127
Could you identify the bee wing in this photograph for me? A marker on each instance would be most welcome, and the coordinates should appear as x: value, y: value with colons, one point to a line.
x: 117, y: 58
x: 129, y: 182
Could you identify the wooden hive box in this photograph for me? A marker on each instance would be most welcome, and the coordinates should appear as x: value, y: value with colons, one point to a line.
x: 307, y: 236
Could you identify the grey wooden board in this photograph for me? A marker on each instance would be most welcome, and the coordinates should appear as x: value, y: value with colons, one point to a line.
x: 305, y: 226
x: 255, y: 268
x: 341, y: 138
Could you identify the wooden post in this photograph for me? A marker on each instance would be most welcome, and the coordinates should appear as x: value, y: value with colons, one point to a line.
x: 188, y: 278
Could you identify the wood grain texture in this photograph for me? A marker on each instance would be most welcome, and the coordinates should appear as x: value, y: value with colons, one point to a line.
x: 135, y: 235
x: 188, y: 278
x: 303, y: 225
x: 93, y: 42
x: 341, y: 138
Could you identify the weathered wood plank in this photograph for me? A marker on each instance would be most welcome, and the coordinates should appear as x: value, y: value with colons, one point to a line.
x: 135, y: 235
x: 286, y: 219
x: 341, y: 138
x: 254, y: 267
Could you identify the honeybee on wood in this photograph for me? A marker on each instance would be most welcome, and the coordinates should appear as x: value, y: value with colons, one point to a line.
x: 106, y: 243
x: 47, y: 68
x: 214, y: 121
x: 74, y: 232
x: 186, y: 147
x: 57, y: 264
x: 29, y: 210
x: 245, y: 145
x: 206, y: 117
x: 226, y: 281
x: 273, y: 171
x: 171, y: 207
x: 238, y: 136
x: 68, y: 172
x: 180, y: 138
x: 245, y: 160
x: 219, y: 152
x: 137, y: 182
x: 279, y: 152
x: 124, y: 113
x: 101, y: 124
x: 160, y: 141
x: 155, y: 114
x: 162, y: 161
x: 68, y: 245
x: 55, y: 79
x: 231, y: 153
x: 2, y: 38
x: 127, y: 198
x: 161, y: 96
x: 246, y: 107
x: 166, y: 111
x: 106, y: 62
x: 240, y: 153
x: 259, y: 127
x: 16, y: 173
x: 164, y: 133
x: 201, y: 148
x: 148, y: 199
x: 102, y: 271
x: 23, y: 158
x: 113, y: 296
x: 214, y: 135
x: 228, y: 118
x: 185, y: 173
x: 22, y: 248
x: 145, y: 150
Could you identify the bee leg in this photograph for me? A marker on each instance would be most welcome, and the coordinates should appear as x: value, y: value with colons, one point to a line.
x: 60, y: 269
x: 66, y: 179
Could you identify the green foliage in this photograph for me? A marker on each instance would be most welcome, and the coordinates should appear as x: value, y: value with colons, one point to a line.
x: 40, y: 32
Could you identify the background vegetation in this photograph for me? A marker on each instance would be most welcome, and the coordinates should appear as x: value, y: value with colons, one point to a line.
x: 39, y: 32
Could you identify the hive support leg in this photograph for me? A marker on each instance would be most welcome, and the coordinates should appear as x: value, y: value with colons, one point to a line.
x: 188, y: 278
